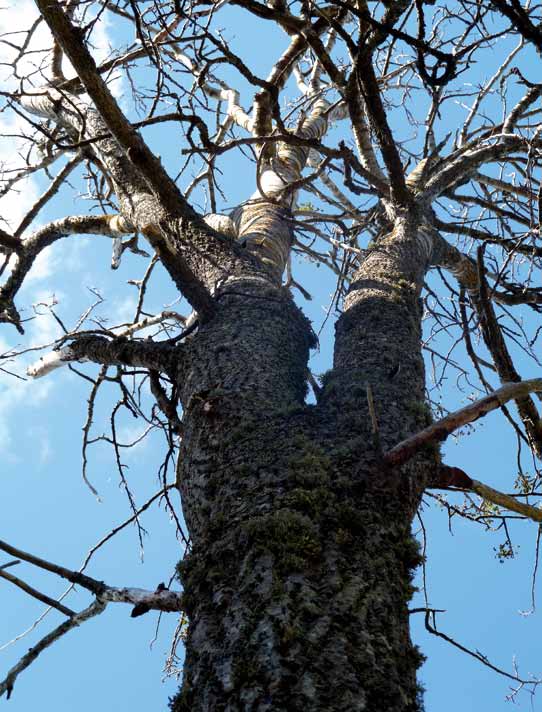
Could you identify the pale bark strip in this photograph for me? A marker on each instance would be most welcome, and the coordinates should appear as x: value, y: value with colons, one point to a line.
x: 149, y: 354
x: 27, y: 250
x: 119, y: 351
x: 264, y: 222
x: 440, y: 430
x: 521, y: 107
x: 452, y: 259
x: 50, y: 362
x: 161, y: 599
x: 465, y: 162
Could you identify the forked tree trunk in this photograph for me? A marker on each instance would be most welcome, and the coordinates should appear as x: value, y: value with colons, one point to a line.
x: 298, y: 581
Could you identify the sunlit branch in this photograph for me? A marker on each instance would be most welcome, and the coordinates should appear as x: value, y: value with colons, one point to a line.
x: 466, y: 162
x: 521, y: 107
x: 485, y: 91
x: 439, y: 431
x: 458, y: 479
x: 140, y: 156
x: 143, y: 601
x: 162, y: 599
x: 120, y: 350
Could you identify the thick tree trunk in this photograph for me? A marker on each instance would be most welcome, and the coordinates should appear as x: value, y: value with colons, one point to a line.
x: 298, y: 580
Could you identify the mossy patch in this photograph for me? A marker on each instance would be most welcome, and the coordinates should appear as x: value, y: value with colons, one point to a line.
x: 290, y: 536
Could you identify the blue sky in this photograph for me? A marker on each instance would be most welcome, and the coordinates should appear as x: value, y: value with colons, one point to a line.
x: 47, y: 509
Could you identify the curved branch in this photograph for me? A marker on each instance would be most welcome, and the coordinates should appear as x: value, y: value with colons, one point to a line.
x: 158, y: 208
x: 455, y: 477
x: 143, y: 601
x: 143, y: 159
x: 27, y: 250
x: 465, y: 162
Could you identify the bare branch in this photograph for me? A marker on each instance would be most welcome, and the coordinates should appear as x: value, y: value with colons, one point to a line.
x: 455, y: 477
x: 159, y: 356
x: 36, y: 594
x: 149, y: 167
x: 94, y: 609
x: 439, y: 431
x: 161, y: 599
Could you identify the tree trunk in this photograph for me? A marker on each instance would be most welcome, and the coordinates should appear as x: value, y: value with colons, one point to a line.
x: 299, y: 576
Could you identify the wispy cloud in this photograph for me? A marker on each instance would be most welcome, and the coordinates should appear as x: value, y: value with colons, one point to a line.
x: 16, y: 18
x: 16, y: 394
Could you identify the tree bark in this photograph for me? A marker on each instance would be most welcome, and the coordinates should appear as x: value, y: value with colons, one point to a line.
x: 299, y: 576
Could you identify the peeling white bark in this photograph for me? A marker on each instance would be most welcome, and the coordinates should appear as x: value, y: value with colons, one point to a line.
x: 161, y: 600
x: 221, y: 223
x: 50, y: 362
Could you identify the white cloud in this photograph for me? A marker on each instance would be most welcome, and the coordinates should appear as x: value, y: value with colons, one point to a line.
x: 15, y: 395
x: 67, y: 255
x: 15, y: 20
x: 43, y: 267
x: 45, y: 449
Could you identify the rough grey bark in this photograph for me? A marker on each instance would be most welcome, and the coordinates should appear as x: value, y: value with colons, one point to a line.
x: 299, y: 576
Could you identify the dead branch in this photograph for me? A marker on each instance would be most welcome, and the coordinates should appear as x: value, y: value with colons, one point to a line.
x: 458, y: 479
x: 119, y: 351
x: 36, y: 594
x: 439, y: 431
x: 95, y: 608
